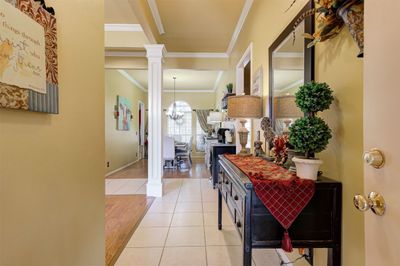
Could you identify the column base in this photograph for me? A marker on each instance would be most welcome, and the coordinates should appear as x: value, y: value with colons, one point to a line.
x: 154, y: 189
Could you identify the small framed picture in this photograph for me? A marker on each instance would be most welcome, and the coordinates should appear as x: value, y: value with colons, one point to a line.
x: 257, y: 82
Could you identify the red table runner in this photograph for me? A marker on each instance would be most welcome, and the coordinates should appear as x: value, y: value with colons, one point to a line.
x: 282, y: 192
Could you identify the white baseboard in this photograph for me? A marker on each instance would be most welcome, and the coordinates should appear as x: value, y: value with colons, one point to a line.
x: 282, y: 255
x: 122, y: 168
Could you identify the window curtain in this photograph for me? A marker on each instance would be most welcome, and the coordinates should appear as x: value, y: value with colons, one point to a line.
x: 202, y: 117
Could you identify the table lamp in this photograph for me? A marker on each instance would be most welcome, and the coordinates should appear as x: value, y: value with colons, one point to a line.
x: 285, y: 108
x: 215, y: 118
x: 243, y: 107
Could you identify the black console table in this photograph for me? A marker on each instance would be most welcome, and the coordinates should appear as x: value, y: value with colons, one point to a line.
x: 216, y: 150
x: 318, y: 226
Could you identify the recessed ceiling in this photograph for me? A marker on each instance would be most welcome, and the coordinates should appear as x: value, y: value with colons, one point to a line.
x: 186, y: 80
x: 119, y: 12
x: 199, y: 25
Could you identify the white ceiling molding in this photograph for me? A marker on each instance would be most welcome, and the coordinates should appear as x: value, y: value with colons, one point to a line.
x: 218, y: 80
x: 124, y: 54
x: 196, y: 91
x: 246, y: 9
x: 156, y: 16
x: 299, y: 82
x: 131, y: 79
x: 123, y: 28
x: 287, y: 55
x: 197, y: 55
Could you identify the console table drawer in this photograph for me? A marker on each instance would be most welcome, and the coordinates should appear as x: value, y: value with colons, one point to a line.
x: 238, y: 199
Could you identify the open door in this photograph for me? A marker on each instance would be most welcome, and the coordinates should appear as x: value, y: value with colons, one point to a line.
x: 382, y: 130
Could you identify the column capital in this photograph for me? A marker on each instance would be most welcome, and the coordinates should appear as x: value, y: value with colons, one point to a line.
x: 155, y: 50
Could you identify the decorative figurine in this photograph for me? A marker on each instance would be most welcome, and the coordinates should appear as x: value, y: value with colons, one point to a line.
x: 269, y: 134
x: 258, y: 151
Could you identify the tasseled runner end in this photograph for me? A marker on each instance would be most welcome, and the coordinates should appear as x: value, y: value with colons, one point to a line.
x: 286, y: 242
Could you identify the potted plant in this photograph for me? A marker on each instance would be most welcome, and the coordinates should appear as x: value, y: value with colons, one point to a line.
x: 332, y: 16
x: 229, y: 88
x: 310, y: 134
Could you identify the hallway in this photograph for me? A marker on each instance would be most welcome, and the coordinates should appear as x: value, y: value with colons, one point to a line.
x: 181, y: 229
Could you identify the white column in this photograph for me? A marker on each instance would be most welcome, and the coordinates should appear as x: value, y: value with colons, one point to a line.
x: 155, y: 82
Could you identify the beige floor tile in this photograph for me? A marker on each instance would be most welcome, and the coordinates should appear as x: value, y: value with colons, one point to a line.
x: 185, y: 237
x: 266, y: 257
x: 211, y: 219
x: 189, y: 207
x: 187, y: 219
x: 213, y: 207
x: 162, y: 207
x: 227, y: 236
x: 140, y: 256
x: 148, y: 237
x: 184, y: 256
x: 210, y: 196
x: 156, y: 219
x: 224, y: 256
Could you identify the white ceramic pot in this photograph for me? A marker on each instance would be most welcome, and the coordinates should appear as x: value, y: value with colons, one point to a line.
x: 307, y: 168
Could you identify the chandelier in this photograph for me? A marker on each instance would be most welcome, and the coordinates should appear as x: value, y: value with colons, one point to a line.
x: 173, y: 113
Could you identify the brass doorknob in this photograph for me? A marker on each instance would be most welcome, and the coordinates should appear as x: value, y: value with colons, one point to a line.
x: 374, y: 158
x: 375, y: 202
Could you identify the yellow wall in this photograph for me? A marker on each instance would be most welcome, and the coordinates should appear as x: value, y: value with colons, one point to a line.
x: 52, y: 166
x: 336, y: 64
x: 122, y: 147
x: 227, y: 77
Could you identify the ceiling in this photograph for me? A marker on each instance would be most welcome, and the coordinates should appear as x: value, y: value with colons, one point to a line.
x: 286, y: 79
x: 198, y: 25
x: 186, y: 80
x: 184, y: 26
x: 119, y: 12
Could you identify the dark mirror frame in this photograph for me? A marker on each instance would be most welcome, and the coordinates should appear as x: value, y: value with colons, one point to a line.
x: 309, y: 53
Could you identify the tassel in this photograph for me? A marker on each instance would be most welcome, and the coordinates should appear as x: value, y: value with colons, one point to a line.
x: 286, y: 242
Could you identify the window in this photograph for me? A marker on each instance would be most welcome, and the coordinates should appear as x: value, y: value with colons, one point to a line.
x: 181, y: 129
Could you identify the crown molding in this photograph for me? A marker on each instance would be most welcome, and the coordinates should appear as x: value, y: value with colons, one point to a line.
x: 156, y: 16
x: 197, y: 55
x: 124, y: 54
x: 191, y: 91
x: 287, y: 55
x: 123, y: 28
x: 218, y: 80
x: 131, y: 79
x: 246, y: 9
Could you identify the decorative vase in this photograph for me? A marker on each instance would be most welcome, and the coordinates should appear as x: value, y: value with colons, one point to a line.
x: 352, y: 14
x: 307, y: 168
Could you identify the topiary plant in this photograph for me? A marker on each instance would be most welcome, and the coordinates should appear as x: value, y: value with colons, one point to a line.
x: 309, y: 134
x: 314, y: 97
x: 229, y: 87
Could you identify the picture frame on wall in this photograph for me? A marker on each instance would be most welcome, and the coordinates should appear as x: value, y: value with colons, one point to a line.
x: 257, y: 87
x: 28, y: 62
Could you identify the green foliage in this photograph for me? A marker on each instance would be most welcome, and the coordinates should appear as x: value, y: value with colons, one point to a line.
x: 309, y: 134
x: 314, y: 97
x: 229, y: 87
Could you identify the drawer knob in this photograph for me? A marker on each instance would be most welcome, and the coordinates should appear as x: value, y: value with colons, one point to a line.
x: 236, y: 197
x: 238, y: 224
x: 227, y: 182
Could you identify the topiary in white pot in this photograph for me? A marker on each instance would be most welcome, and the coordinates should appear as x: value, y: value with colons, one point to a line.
x: 310, y: 134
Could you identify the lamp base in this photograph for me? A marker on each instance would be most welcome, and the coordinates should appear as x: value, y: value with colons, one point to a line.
x: 243, y: 135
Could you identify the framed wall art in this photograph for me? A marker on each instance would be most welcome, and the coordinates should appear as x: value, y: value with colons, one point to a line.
x: 124, y: 114
x: 28, y: 56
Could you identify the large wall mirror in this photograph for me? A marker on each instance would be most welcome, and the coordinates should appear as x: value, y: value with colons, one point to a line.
x: 291, y: 64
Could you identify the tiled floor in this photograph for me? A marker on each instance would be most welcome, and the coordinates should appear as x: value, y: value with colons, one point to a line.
x: 180, y: 229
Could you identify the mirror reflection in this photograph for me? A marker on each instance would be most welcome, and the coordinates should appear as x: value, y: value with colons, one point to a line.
x: 288, y: 76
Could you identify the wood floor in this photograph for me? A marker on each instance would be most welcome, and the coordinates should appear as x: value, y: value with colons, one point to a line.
x: 139, y: 170
x: 123, y: 214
